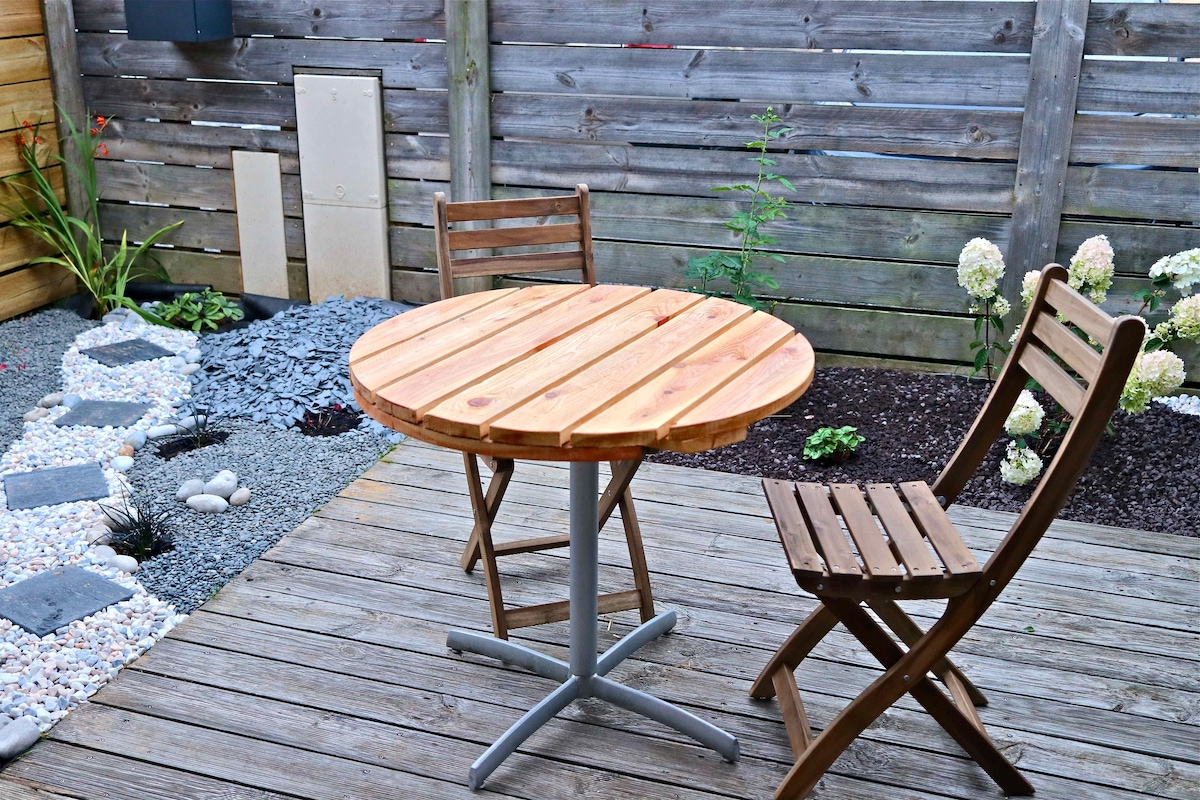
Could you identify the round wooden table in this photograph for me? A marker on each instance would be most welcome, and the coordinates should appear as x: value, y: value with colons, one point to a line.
x: 583, y: 374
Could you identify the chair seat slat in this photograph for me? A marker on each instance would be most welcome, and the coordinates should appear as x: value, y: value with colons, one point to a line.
x: 841, y: 565
x: 873, y: 549
x: 906, y: 538
x: 937, y: 527
x: 1070, y: 347
x: 515, y: 236
x: 1053, y: 378
x: 793, y: 533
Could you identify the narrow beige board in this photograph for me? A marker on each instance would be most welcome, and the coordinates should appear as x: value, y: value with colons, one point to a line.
x: 258, y: 194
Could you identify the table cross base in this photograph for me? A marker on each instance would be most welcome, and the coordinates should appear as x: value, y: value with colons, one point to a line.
x: 584, y: 675
x: 575, y: 687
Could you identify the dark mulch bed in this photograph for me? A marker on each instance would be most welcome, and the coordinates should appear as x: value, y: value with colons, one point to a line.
x: 1144, y: 475
x: 329, y: 421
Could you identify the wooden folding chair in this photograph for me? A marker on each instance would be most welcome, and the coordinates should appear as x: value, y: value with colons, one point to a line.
x: 887, y: 556
x: 485, y: 504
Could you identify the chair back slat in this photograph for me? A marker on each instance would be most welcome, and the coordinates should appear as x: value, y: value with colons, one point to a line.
x: 1053, y: 378
x: 514, y: 236
x: 1081, y: 311
x: 469, y: 211
x: 1071, y: 348
x: 478, y: 242
x: 518, y: 262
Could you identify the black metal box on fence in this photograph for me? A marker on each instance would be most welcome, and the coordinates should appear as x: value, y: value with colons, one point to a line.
x: 179, y: 20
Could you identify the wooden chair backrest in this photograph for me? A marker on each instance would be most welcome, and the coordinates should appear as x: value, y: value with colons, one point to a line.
x: 1090, y: 393
x: 578, y: 232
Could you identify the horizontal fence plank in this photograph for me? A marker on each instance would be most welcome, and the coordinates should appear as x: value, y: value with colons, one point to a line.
x: 23, y: 59
x: 182, y: 186
x: 1141, y: 29
x: 1132, y: 193
x: 32, y: 101
x: 698, y: 221
x: 1153, y: 141
x: 894, y: 182
x: 21, y: 18
x: 200, y: 145
x: 1136, y: 246
x: 996, y: 27
x: 26, y: 289
x: 404, y: 65
x: 18, y: 246
x: 1143, y: 87
x: 412, y: 19
x: 965, y: 133
x: 793, y: 76
x: 884, y: 333
x: 214, y: 230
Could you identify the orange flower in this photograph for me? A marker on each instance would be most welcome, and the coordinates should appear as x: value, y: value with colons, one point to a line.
x: 102, y: 149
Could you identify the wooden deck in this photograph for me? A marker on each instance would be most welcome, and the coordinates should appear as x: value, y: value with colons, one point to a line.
x: 322, y: 671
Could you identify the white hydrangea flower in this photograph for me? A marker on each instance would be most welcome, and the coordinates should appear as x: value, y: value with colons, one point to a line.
x: 1028, y: 285
x: 1154, y: 375
x: 1001, y: 306
x: 1182, y: 268
x: 1026, y: 416
x: 1020, y: 465
x: 980, y: 267
x: 1185, y: 318
x: 1091, y: 268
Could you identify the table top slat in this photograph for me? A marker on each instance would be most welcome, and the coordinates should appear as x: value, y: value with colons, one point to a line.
x: 645, y: 415
x: 411, y: 324
x: 376, y: 372
x: 766, y: 387
x: 469, y: 412
x: 409, y: 398
x: 548, y: 419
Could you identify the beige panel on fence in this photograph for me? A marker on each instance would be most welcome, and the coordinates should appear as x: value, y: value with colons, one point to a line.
x: 258, y: 194
x: 339, y: 122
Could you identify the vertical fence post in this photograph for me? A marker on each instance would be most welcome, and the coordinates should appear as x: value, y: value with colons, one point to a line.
x: 58, y: 16
x: 1055, y: 63
x: 468, y: 69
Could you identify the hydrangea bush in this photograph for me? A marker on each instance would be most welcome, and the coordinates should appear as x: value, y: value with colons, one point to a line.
x: 1157, y: 372
x: 980, y: 268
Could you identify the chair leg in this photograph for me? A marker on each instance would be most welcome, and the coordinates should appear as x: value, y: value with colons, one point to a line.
x: 618, y: 494
x: 797, y: 647
x: 910, y: 633
x: 901, y: 667
x: 484, y: 509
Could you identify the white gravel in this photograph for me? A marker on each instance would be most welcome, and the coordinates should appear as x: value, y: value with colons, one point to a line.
x: 43, y: 678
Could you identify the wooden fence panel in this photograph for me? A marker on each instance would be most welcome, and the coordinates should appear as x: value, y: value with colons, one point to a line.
x: 906, y: 122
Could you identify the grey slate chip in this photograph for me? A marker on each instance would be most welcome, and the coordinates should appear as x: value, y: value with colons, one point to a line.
x: 99, y: 413
x: 126, y: 352
x: 54, y: 485
x: 49, y: 600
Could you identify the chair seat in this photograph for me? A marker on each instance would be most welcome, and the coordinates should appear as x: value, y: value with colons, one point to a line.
x: 901, y: 544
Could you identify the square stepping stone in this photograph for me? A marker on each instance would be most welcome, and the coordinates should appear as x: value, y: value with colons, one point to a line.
x: 99, y: 413
x: 49, y: 600
x: 127, y: 352
x: 54, y: 485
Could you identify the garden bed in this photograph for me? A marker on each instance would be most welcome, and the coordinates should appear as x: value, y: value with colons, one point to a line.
x: 1144, y: 475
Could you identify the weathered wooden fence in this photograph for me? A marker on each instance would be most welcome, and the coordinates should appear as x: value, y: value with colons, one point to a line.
x: 909, y: 136
x: 25, y: 95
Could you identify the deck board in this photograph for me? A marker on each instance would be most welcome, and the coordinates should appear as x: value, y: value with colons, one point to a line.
x: 322, y: 670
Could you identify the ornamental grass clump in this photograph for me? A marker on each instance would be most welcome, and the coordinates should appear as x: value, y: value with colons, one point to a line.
x: 78, y: 243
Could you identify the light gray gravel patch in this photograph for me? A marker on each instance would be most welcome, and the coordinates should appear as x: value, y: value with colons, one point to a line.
x: 291, y: 475
x: 31, y: 350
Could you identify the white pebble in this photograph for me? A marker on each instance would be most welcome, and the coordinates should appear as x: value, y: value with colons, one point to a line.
x: 159, y: 431
x: 35, y: 414
x: 122, y: 463
x: 240, y: 497
x: 189, y: 489
x: 207, y: 503
x: 51, y: 400
x: 223, y: 484
x: 103, y: 552
x: 124, y: 563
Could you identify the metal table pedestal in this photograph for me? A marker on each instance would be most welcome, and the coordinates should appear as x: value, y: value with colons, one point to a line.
x: 584, y: 675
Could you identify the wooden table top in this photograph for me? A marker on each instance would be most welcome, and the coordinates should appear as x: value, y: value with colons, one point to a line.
x: 579, y: 373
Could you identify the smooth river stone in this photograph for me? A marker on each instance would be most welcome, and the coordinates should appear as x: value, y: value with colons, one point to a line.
x: 207, y: 503
x: 240, y: 497
x: 18, y: 737
x: 189, y: 489
x: 223, y: 484
x: 51, y: 400
x: 159, y: 431
x: 124, y: 563
x: 121, y: 463
x: 35, y: 414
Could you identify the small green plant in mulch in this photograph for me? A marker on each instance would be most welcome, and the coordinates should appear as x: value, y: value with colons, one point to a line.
x: 206, y: 430
x: 142, y: 530
x: 196, y: 310
x: 832, y: 445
